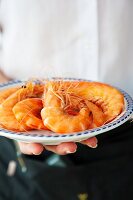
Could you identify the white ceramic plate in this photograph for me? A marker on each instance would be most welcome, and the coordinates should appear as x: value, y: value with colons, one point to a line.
x: 50, y: 138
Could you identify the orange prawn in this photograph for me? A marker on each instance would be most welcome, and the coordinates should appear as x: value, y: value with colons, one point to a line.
x: 7, y: 117
x: 55, y: 115
x: 64, y: 97
x: 103, y: 95
x: 27, y: 112
x: 108, y: 98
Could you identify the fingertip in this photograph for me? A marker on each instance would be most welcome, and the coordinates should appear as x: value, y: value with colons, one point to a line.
x: 66, y: 148
x: 92, y: 139
x: 36, y: 149
x: 31, y: 148
x: 91, y: 142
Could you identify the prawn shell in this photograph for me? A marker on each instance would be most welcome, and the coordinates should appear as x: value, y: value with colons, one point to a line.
x: 58, y: 121
x: 4, y: 94
x: 28, y: 111
x: 7, y: 117
x: 98, y: 116
x: 110, y: 99
x: 38, y: 90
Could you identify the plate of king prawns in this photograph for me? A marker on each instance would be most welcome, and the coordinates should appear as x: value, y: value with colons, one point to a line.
x: 61, y: 110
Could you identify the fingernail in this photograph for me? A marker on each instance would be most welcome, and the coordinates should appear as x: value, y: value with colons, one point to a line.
x: 37, y: 154
x: 92, y: 145
x: 68, y: 151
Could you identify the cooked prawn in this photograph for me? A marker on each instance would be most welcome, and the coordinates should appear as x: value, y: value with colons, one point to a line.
x: 65, y: 100
x: 27, y: 112
x: 108, y: 98
x: 103, y: 95
x: 7, y: 118
x: 56, y: 117
x: 58, y: 121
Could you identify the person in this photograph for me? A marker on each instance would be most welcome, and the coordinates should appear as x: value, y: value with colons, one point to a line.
x: 82, y: 39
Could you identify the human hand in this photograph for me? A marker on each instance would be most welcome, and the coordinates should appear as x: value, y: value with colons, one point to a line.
x: 61, y: 149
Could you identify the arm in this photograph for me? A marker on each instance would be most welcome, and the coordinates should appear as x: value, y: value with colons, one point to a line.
x: 3, y: 78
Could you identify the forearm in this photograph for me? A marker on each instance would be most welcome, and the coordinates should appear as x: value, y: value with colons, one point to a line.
x: 3, y: 78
